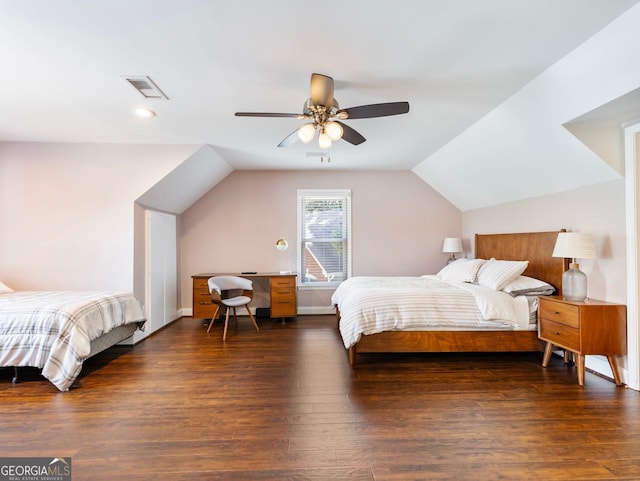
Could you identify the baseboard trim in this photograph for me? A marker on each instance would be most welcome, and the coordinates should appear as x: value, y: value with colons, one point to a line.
x: 302, y: 311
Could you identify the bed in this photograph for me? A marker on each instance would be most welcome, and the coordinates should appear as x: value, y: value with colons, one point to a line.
x: 57, y: 331
x: 473, y: 335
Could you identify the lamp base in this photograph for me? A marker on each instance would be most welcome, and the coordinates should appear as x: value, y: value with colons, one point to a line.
x: 451, y: 259
x: 574, y: 283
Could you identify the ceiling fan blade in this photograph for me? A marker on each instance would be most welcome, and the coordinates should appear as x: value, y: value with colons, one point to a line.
x: 321, y: 90
x: 376, y: 110
x: 350, y: 135
x: 267, y: 114
x: 289, y: 139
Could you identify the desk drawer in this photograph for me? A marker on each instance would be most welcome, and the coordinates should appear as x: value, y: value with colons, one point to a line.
x: 559, y: 312
x: 201, y: 296
x: 284, y: 301
x: 283, y: 282
x: 201, y: 283
x: 203, y: 307
x: 283, y: 308
x: 280, y: 296
x: 560, y: 334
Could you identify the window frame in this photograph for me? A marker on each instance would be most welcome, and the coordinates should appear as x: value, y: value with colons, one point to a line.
x: 345, y: 196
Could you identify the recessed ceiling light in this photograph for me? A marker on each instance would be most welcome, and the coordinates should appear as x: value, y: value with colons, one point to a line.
x: 144, y: 112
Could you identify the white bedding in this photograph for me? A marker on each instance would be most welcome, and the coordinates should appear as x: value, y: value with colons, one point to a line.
x: 369, y: 305
x: 53, y: 330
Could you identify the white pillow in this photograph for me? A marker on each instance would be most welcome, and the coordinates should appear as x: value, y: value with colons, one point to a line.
x: 461, y: 270
x: 524, y: 285
x: 496, y: 274
x: 4, y: 288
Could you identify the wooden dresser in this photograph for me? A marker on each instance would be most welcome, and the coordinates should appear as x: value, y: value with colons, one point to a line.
x: 283, y: 294
x: 583, y: 328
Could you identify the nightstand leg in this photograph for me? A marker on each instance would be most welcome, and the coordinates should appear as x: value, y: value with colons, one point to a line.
x: 614, y: 370
x: 547, y: 354
x: 580, y: 367
x: 568, y: 359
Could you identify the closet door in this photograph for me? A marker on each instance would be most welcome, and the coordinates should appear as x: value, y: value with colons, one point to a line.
x: 161, y: 270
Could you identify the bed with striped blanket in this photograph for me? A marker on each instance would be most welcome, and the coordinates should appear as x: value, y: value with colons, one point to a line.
x: 369, y: 305
x: 420, y: 314
x: 58, y: 331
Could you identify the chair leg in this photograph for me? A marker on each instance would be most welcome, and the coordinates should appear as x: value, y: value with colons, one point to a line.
x: 226, y: 324
x: 213, y: 318
x: 253, y: 319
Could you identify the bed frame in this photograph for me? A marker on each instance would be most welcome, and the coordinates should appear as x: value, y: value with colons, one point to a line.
x: 100, y: 344
x: 536, y: 247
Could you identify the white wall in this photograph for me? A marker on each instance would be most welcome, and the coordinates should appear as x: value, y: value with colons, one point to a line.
x: 67, y: 211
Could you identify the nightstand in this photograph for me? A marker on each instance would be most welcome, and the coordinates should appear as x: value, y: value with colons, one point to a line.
x: 583, y: 328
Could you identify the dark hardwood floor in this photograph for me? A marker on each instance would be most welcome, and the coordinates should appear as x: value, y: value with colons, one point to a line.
x: 284, y: 404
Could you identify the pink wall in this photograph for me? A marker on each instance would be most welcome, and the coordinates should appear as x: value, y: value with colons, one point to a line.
x: 598, y: 209
x: 398, y: 224
x: 67, y: 211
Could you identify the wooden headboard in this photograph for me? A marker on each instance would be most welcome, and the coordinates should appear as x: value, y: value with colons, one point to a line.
x: 535, y: 247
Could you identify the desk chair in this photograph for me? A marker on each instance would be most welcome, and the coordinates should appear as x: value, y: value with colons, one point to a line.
x: 232, y: 292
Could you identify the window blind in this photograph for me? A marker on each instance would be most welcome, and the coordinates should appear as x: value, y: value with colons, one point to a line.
x: 324, y: 226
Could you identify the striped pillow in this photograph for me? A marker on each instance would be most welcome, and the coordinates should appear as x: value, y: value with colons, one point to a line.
x: 497, y: 274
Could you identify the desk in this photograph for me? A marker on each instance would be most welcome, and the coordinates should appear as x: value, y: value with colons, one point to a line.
x: 283, y: 297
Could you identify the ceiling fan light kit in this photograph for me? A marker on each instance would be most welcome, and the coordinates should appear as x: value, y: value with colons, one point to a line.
x: 324, y: 112
x: 324, y: 141
x: 307, y: 132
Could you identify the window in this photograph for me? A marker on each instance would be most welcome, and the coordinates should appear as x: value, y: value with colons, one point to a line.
x: 324, y: 231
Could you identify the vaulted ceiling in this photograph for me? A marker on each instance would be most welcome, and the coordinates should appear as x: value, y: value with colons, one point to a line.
x: 485, y: 81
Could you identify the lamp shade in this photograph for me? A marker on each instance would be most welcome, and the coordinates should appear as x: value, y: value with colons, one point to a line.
x: 574, y: 245
x: 452, y: 244
x: 282, y: 244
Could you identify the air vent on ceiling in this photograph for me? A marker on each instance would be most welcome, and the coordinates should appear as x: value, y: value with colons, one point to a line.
x: 145, y: 86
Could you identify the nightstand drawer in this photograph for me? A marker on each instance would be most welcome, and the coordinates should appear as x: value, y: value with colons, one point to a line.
x: 560, y: 334
x: 561, y: 313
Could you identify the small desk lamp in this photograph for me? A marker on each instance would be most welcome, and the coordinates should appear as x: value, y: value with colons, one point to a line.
x: 574, y: 245
x: 283, y: 245
x: 452, y: 245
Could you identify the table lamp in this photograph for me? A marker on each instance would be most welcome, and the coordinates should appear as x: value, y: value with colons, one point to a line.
x: 574, y: 245
x: 283, y: 245
x: 452, y: 245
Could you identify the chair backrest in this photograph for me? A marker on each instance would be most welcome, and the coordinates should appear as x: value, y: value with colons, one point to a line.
x: 226, y: 283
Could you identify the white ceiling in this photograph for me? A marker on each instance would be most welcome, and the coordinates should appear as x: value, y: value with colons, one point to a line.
x: 455, y: 61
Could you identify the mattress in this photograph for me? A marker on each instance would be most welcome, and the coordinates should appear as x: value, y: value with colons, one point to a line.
x: 54, y: 330
x: 369, y: 305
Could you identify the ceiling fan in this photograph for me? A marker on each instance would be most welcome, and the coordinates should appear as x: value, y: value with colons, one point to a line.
x: 325, y: 115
